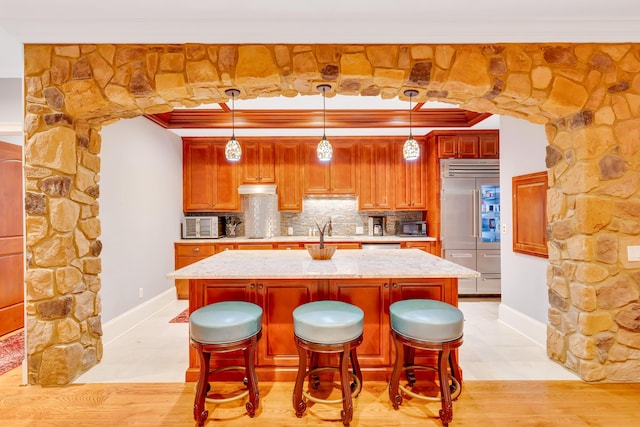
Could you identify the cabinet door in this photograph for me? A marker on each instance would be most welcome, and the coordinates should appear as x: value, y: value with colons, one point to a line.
x: 258, y: 163
x: 447, y: 146
x: 317, y: 174
x: 197, y: 177
x: 411, y: 179
x: 376, y: 175
x: 278, y: 299
x: 490, y: 146
x: 372, y: 296
x: 226, y: 196
x: 217, y: 291
x: 289, y: 185
x: 468, y: 146
x: 343, y: 168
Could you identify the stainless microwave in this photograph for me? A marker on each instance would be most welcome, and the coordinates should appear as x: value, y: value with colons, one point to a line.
x: 413, y: 228
x: 203, y: 227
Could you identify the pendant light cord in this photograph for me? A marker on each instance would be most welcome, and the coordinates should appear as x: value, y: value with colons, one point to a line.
x: 410, y: 116
x: 324, y: 115
x: 233, y: 117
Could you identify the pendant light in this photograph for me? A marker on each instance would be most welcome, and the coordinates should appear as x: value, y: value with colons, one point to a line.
x: 232, y: 150
x: 411, y: 149
x: 324, y: 150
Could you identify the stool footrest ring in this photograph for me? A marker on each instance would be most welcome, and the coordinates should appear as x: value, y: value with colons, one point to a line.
x: 454, y: 394
x: 354, y: 393
x: 241, y: 395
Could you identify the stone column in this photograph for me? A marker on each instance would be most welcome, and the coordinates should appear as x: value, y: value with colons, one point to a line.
x: 594, y: 213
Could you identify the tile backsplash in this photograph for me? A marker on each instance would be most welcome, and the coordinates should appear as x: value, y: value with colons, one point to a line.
x: 344, y: 215
x: 343, y: 212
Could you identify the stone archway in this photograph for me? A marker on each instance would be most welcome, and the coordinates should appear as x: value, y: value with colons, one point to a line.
x: 587, y: 96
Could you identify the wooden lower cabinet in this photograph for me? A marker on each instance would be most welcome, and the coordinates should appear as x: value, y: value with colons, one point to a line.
x: 372, y: 296
x: 429, y: 247
x: 277, y: 357
x: 186, y: 254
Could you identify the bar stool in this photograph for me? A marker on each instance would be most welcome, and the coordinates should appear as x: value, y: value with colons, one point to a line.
x: 328, y: 327
x: 219, y: 328
x: 429, y: 325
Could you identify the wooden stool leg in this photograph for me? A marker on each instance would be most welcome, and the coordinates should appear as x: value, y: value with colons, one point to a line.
x: 394, y: 392
x: 299, y: 404
x: 252, y: 381
x: 409, y: 360
x: 347, y: 400
x: 446, y: 413
x: 200, y: 413
x: 356, y: 369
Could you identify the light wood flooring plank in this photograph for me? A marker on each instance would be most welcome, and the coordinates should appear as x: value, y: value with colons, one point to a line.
x: 482, y: 403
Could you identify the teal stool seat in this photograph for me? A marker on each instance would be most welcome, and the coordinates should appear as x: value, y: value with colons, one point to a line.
x: 328, y: 322
x: 223, y: 327
x: 426, y: 320
x: 429, y: 325
x: 225, y: 322
x: 327, y: 327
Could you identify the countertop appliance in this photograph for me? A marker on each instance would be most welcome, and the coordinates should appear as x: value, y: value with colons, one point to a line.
x: 413, y: 228
x: 470, y: 220
x: 377, y: 225
x: 203, y: 227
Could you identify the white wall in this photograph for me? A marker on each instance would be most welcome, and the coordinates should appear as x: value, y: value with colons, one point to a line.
x: 140, y: 210
x: 11, y: 110
x: 524, y: 289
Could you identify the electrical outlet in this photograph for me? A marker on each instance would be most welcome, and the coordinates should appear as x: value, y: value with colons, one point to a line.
x: 140, y: 292
x: 359, y: 230
x: 633, y: 253
x: 504, y: 228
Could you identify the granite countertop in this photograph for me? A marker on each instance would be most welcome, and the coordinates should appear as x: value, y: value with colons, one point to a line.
x: 353, y: 238
x: 345, y: 264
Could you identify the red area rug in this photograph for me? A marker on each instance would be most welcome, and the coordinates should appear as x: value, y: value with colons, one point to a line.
x: 11, y: 352
x: 181, y: 318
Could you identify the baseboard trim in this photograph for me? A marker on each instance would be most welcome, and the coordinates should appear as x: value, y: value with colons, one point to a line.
x: 527, y: 326
x: 129, y: 319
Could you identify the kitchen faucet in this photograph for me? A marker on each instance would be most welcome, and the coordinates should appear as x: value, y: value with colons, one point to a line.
x: 330, y: 228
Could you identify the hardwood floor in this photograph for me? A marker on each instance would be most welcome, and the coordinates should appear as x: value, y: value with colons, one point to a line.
x: 482, y: 403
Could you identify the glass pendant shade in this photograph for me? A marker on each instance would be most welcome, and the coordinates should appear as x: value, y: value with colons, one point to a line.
x: 233, y: 151
x: 324, y: 150
x: 411, y: 148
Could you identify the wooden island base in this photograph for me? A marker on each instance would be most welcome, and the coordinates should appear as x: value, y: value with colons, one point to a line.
x: 277, y: 357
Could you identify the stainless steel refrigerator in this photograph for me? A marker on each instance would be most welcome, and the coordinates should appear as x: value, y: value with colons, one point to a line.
x: 470, y: 220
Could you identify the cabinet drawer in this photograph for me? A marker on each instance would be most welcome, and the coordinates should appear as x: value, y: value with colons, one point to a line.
x: 195, y: 250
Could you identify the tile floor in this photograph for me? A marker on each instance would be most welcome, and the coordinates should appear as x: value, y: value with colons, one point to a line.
x: 156, y: 350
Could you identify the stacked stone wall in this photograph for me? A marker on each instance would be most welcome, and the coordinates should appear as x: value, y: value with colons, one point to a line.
x: 587, y: 96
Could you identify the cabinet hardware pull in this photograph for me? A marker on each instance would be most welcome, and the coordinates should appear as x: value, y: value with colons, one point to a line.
x: 386, y: 285
x: 260, y: 286
x: 196, y: 249
x: 395, y: 285
x: 252, y: 286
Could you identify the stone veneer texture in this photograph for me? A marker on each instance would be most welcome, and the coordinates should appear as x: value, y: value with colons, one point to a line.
x: 586, y: 95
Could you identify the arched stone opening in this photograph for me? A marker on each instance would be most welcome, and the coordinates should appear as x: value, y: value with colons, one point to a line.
x: 587, y: 96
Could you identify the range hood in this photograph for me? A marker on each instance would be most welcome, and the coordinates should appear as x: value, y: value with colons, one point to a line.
x: 257, y: 189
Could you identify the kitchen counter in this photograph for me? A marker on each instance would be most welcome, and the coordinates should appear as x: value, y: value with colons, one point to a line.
x: 279, y: 281
x: 345, y: 264
x: 314, y: 239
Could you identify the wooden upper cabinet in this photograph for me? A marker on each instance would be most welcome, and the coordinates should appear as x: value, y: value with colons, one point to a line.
x: 376, y: 174
x: 410, y: 178
x: 258, y: 162
x: 337, y: 176
x: 210, y: 182
x: 484, y: 144
x: 289, y: 176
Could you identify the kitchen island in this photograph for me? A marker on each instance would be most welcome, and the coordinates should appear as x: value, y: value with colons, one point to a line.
x: 279, y: 281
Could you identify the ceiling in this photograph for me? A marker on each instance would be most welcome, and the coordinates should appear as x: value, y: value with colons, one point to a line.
x: 332, y: 21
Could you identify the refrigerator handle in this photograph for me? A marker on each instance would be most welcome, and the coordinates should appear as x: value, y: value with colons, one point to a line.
x: 474, y: 212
